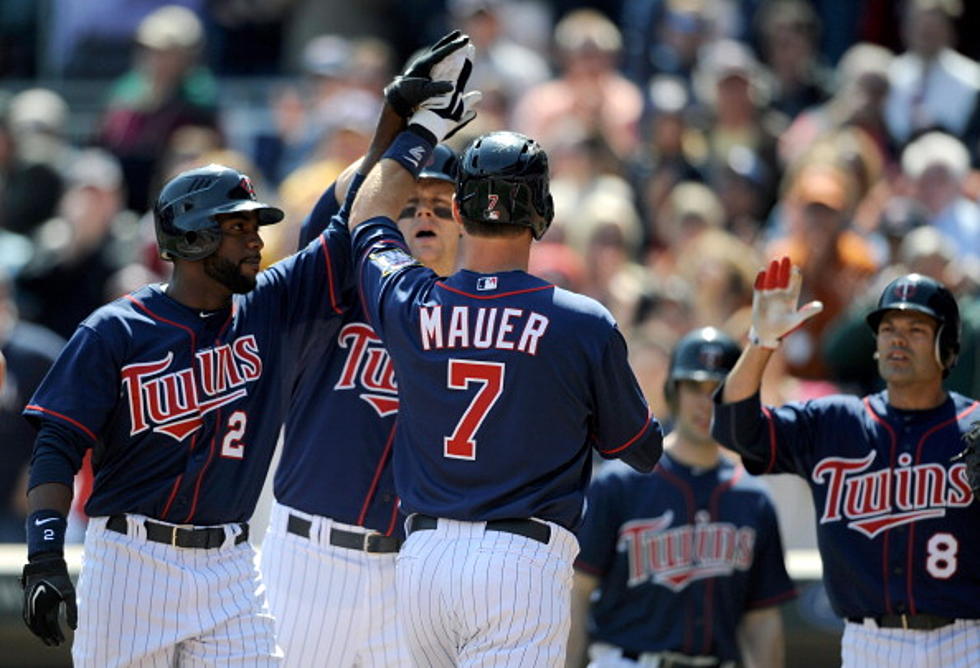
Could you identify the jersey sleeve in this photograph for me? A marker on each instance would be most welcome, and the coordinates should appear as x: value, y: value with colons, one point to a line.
x: 323, y: 212
x: 598, y: 534
x: 769, y: 583
x: 384, y: 269
x: 623, y: 426
x: 770, y: 440
x: 81, y: 390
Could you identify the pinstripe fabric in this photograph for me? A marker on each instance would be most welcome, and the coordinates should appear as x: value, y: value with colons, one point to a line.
x: 953, y: 646
x: 334, y: 607
x: 149, y: 604
x: 475, y: 598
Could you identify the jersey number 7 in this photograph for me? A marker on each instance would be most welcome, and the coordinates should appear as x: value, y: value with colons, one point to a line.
x: 461, y: 373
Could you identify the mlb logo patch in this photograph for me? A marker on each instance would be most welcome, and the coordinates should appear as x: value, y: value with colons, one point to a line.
x: 485, y: 283
x: 391, y: 260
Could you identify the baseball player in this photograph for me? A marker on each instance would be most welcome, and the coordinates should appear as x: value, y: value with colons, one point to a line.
x: 897, y: 527
x: 178, y: 390
x: 506, y: 383
x: 687, y: 563
x: 328, y: 559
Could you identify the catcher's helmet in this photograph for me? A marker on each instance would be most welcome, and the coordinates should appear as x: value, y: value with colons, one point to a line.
x: 915, y: 292
x: 443, y: 165
x: 503, y: 178
x: 702, y: 354
x: 185, y: 210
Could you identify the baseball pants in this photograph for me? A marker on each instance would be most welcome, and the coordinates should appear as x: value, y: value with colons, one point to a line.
x: 334, y: 606
x: 142, y: 603
x: 470, y: 597
x: 954, y: 646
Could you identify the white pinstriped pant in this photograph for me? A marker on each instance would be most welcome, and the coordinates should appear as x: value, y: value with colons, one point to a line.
x: 469, y: 597
x: 149, y: 604
x: 953, y: 646
x: 334, y: 607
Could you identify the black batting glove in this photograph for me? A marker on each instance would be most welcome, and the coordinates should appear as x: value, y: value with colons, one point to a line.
x: 46, y: 586
x: 970, y: 455
x: 415, y: 84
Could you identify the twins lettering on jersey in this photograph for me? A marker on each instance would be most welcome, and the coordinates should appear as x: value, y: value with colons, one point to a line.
x: 174, y: 402
x: 481, y: 327
x: 368, y: 367
x: 675, y: 557
x: 874, y: 501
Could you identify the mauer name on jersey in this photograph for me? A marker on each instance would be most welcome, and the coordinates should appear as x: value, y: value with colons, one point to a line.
x: 173, y: 402
x: 675, y: 557
x: 368, y: 367
x: 875, y: 501
x: 482, y: 328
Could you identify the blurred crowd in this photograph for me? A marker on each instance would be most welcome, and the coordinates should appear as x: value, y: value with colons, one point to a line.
x: 689, y: 141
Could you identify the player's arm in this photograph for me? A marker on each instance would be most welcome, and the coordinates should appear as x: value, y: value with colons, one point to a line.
x: 583, y: 586
x: 760, y: 638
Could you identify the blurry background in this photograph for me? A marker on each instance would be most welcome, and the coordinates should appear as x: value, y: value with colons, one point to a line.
x: 689, y: 141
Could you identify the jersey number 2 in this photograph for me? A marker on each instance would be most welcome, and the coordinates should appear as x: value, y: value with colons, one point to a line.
x: 462, y: 443
x: 231, y: 445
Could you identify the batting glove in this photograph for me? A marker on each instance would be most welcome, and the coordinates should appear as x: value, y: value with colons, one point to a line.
x: 46, y: 586
x: 774, y: 299
x: 416, y: 83
x: 442, y: 116
x: 970, y: 455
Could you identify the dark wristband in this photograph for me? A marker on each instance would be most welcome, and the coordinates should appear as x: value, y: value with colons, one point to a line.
x: 45, y: 532
x: 411, y: 149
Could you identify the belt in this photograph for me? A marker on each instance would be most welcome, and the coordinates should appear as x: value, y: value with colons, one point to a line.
x: 365, y: 542
x: 204, y: 538
x: 920, y: 622
x: 528, y: 528
x: 675, y: 659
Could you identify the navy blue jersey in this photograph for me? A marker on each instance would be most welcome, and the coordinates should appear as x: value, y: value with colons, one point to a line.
x: 897, y: 522
x: 340, y: 424
x: 506, y: 384
x: 680, y: 555
x: 183, y: 408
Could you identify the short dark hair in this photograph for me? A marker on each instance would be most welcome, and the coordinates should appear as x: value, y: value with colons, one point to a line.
x: 480, y: 229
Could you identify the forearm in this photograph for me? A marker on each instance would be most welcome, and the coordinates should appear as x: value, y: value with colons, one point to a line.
x: 761, y: 639
x: 50, y: 496
x: 391, y: 182
x: 745, y: 378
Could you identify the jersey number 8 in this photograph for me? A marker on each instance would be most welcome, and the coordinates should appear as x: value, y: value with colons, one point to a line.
x: 461, y: 373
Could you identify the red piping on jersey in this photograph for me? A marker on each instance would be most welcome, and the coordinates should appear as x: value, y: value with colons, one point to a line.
x: 709, y: 586
x: 200, y: 476
x: 502, y: 294
x: 74, y: 423
x: 772, y: 438
x: 231, y: 314
x: 173, y: 492
x: 918, y: 459
x: 326, y: 256
x: 588, y: 568
x: 884, y: 543
x: 377, y: 476
x: 632, y: 440
x: 772, y: 600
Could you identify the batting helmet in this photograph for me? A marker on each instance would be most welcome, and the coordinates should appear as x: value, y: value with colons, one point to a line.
x: 703, y: 354
x: 443, y: 165
x: 915, y: 292
x: 185, y: 210
x: 503, y: 178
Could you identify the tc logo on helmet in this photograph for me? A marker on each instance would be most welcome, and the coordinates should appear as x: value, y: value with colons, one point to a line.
x: 905, y: 291
x: 711, y: 357
x: 246, y: 185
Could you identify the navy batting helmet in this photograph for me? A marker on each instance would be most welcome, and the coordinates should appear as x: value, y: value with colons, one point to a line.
x: 702, y: 354
x: 185, y: 210
x: 915, y: 292
x: 443, y: 165
x: 503, y: 178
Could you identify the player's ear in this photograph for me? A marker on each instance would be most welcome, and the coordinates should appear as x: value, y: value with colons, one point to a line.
x: 456, y: 215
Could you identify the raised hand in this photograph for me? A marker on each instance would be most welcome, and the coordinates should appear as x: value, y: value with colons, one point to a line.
x: 416, y: 83
x: 445, y: 114
x: 774, y: 304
